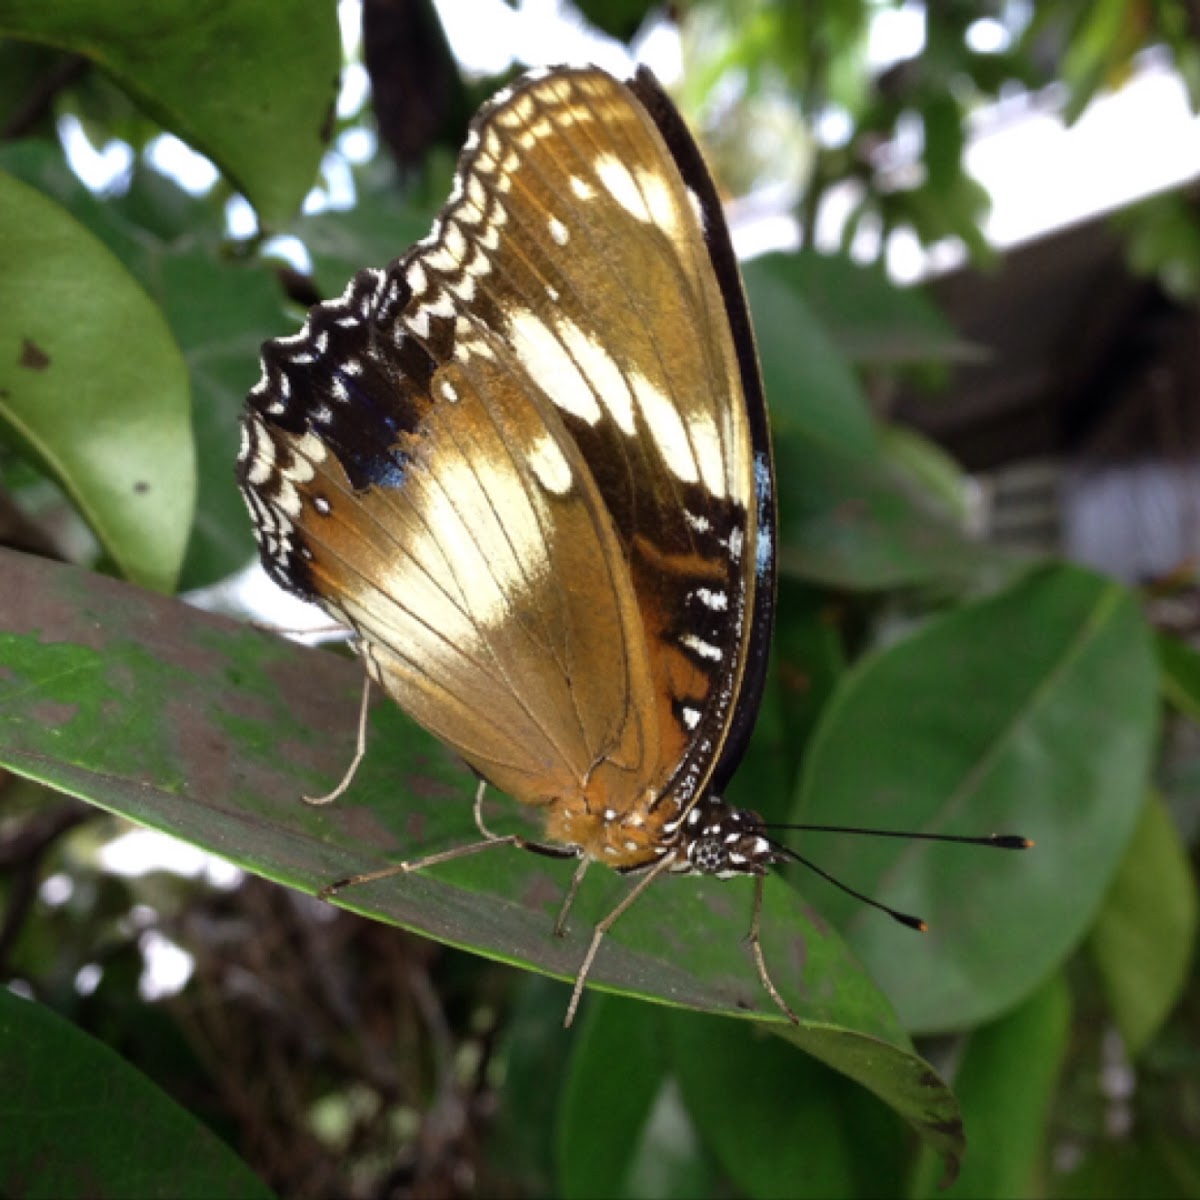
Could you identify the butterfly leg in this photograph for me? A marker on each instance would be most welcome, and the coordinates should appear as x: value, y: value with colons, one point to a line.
x: 604, y: 926
x: 359, y: 752
x: 490, y: 839
x: 419, y: 864
x: 480, y: 824
x: 759, y: 961
x: 560, y: 924
x: 331, y: 632
x: 511, y: 839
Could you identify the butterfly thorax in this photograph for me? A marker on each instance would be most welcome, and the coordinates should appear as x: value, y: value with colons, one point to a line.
x: 718, y: 839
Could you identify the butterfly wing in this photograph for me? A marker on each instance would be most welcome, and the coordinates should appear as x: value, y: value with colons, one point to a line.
x: 528, y: 463
x: 620, y: 285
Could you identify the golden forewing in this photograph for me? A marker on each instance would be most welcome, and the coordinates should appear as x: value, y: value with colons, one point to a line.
x: 601, y: 285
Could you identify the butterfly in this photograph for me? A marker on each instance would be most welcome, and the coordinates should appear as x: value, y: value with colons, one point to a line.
x: 528, y: 465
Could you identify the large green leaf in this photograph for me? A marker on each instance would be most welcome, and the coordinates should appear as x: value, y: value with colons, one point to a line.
x: 211, y: 731
x: 859, y: 521
x: 783, y: 1135
x: 1033, y: 712
x: 219, y: 309
x: 1145, y: 935
x: 79, y: 1121
x: 120, y: 223
x: 250, y: 85
x: 1158, y: 1165
x: 930, y: 468
x: 379, y: 228
x: 221, y: 312
x: 92, y: 383
x: 622, y: 1131
x: 810, y: 385
x: 1006, y: 1081
x: 522, y: 1132
x: 1180, y: 674
x: 871, y: 320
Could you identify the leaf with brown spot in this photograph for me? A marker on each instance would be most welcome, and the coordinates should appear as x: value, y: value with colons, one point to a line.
x: 33, y: 356
x: 93, y: 385
x: 212, y: 731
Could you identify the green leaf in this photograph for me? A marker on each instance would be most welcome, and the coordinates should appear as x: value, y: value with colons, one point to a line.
x: 1099, y: 50
x: 943, y: 125
x: 1180, y: 665
x: 378, y: 229
x: 250, y: 85
x: 1159, y: 1166
x: 1162, y: 242
x: 669, y: 1159
x: 23, y: 69
x: 621, y: 1129
x: 808, y: 659
x: 92, y: 384
x: 863, y: 524
x: 1006, y: 1082
x: 871, y: 320
x: 79, y: 1121
x: 1143, y: 939
x: 1033, y: 712
x: 810, y: 387
x: 42, y: 166
x: 933, y: 470
x: 770, y: 1117
x: 221, y: 313
x: 533, y: 1063
x: 194, y: 725
x: 219, y: 309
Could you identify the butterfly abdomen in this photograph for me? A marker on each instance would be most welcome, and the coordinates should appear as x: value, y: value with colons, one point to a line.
x: 622, y: 832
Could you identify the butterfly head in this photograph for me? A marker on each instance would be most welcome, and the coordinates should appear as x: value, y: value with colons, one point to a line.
x: 718, y: 839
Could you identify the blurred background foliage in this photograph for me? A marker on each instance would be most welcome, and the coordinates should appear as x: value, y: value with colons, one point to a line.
x: 924, y: 589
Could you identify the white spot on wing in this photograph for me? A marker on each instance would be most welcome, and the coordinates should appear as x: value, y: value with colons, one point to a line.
x: 288, y: 498
x: 454, y: 241
x: 645, y: 196
x: 601, y: 372
x: 699, y: 646
x: 665, y: 422
x: 546, y: 358
x: 550, y: 466
x: 464, y: 288
x: 261, y: 468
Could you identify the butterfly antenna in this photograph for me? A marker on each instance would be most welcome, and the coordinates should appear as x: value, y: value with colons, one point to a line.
x: 1000, y: 841
x: 896, y: 915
